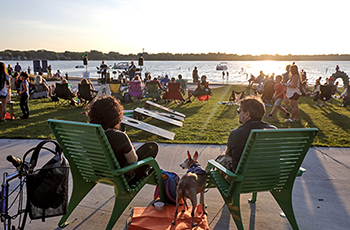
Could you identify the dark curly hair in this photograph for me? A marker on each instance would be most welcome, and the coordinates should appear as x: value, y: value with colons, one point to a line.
x: 105, y: 111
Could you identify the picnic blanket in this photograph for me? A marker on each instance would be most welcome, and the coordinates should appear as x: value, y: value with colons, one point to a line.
x: 151, y: 219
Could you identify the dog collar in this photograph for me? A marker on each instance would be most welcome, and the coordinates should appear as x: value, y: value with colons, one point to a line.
x: 196, y: 168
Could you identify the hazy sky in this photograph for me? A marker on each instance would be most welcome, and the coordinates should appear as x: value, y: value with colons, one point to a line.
x: 182, y: 26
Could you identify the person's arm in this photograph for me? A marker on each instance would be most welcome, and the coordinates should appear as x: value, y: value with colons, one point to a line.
x: 278, y: 95
x: 7, y: 80
x: 24, y: 88
x: 131, y: 157
x: 227, y: 151
x: 293, y: 83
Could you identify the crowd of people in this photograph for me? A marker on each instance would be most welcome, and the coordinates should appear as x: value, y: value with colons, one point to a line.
x: 39, y: 87
x: 16, y: 80
x: 287, y: 88
x: 108, y: 112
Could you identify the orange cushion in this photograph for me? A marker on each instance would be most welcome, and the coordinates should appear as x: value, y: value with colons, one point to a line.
x: 149, y: 218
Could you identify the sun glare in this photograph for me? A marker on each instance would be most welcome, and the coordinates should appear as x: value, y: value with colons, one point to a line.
x: 268, y: 67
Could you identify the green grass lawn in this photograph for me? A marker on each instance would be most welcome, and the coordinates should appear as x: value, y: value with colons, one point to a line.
x: 206, y: 123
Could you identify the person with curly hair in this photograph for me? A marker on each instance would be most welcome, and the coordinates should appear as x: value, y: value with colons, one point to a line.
x: 107, y: 112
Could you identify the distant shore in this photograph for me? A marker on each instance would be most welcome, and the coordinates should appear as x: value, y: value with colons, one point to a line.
x: 27, y: 55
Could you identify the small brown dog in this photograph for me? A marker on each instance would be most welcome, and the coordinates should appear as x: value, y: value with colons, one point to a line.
x: 186, y: 189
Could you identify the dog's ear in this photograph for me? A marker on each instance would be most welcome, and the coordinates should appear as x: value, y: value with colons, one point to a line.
x: 188, y: 154
x: 195, y: 156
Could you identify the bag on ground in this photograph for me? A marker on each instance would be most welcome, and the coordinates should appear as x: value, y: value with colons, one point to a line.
x: 170, y: 180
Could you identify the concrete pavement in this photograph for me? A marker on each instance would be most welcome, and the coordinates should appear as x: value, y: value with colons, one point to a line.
x: 320, y: 196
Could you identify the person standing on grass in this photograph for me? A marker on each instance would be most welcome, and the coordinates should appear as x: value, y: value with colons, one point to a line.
x: 18, y: 67
x: 4, y: 82
x: 24, y: 94
x: 284, y: 82
x: 278, y: 98
x: 132, y: 70
x: 49, y: 71
x: 293, y: 92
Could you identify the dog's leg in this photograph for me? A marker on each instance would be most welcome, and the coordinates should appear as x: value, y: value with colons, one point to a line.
x: 194, y: 205
x: 178, y: 199
x: 184, y: 205
x: 203, y: 205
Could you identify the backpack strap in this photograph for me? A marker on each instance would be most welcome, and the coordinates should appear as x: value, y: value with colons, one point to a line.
x: 35, y: 155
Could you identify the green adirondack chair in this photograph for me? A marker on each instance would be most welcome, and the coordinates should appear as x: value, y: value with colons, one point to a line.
x: 270, y: 161
x: 152, y: 91
x: 92, y: 161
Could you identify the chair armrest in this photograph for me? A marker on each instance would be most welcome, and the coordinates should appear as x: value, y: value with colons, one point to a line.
x: 148, y: 161
x: 212, y: 163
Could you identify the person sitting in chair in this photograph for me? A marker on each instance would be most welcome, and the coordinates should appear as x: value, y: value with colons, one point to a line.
x: 183, y: 84
x: 40, y: 83
x: 107, y: 112
x: 250, y: 113
x: 72, y: 95
x: 86, y: 83
x: 202, y: 89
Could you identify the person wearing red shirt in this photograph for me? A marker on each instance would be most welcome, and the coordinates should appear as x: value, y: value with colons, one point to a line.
x: 278, y: 98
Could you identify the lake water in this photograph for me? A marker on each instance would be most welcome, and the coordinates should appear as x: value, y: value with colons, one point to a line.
x: 238, y: 70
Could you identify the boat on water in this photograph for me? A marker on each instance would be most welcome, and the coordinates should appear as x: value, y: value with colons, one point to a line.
x: 221, y: 66
x: 121, y: 65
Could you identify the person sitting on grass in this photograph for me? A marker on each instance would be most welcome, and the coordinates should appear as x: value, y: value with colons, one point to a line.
x: 202, y: 89
x: 258, y: 80
x: 317, y: 90
x: 107, y: 112
x: 278, y: 98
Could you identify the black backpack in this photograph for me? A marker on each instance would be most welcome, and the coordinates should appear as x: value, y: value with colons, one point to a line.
x: 47, y: 188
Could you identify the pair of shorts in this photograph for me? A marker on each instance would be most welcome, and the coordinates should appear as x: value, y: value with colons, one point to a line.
x: 3, y: 96
x: 294, y: 97
x: 278, y: 102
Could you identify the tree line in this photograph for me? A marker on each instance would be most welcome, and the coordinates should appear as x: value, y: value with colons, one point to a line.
x: 98, y: 55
